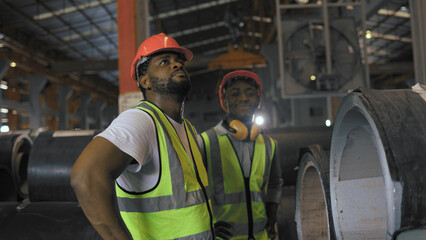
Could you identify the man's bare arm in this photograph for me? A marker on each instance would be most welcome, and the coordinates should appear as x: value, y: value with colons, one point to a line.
x: 92, y: 179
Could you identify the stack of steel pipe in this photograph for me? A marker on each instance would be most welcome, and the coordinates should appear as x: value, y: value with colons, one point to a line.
x: 15, y: 148
x: 378, y: 164
x: 51, y: 160
x: 313, y: 207
x: 51, y: 210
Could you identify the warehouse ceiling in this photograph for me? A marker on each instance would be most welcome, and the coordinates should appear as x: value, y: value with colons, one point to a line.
x: 75, y: 42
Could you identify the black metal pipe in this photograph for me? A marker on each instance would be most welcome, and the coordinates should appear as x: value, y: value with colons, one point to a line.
x: 51, y: 160
x: 14, y: 154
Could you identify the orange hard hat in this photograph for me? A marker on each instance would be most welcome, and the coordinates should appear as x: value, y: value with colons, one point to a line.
x: 239, y: 73
x: 158, y: 43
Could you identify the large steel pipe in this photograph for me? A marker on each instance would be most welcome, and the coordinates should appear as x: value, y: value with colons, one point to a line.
x: 51, y: 159
x: 14, y: 153
x: 378, y: 164
x: 8, y: 191
x: 411, y: 234
x: 291, y: 140
x: 313, y: 207
x: 45, y: 221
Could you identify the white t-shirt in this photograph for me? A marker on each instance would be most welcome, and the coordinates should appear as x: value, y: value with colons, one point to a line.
x: 134, y: 133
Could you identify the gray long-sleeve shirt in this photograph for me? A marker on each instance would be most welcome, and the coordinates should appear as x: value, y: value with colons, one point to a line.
x: 244, y: 151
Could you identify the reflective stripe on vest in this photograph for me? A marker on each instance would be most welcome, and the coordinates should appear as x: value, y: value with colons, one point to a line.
x: 226, y: 181
x: 176, y: 208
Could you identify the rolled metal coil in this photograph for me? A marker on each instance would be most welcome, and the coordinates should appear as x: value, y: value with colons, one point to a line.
x: 51, y: 160
x: 378, y: 164
x: 45, y: 221
x: 313, y: 207
x: 412, y: 233
x: 8, y: 191
x: 14, y: 154
x: 291, y: 140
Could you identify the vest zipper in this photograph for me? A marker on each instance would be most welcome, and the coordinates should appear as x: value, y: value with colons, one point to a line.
x: 249, y: 208
x: 247, y: 192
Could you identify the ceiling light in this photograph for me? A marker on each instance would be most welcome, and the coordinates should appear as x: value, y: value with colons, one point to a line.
x: 328, y: 123
x: 13, y: 64
x: 313, y: 78
x: 387, y: 12
x: 302, y: 1
x: 349, y: 7
x: 4, y: 110
x: 264, y: 19
x: 256, y: 34
x: 4, y: 128
x: 368, y: 34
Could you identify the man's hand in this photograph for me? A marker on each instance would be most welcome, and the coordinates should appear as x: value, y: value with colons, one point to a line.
x: 271, y: 214
x: 270, y: 229
x: 223, y: 230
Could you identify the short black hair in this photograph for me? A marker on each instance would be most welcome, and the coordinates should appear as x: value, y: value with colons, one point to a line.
x: 142, y: 66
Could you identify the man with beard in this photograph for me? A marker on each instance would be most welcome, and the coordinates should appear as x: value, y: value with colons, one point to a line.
x: 242, y: 163
x: 151, y: 153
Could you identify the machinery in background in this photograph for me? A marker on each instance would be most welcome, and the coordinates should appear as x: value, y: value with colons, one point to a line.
x: 305, y: 61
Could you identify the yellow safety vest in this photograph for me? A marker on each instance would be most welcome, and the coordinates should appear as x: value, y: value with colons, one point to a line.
x: 177, y: 208
x: 236, y: 199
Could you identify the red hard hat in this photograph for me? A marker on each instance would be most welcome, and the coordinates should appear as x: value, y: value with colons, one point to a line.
x: 239, y: 73
x: 158, y: 43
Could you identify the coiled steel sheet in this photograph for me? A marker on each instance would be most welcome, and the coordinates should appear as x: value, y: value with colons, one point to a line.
x: 313, y: 207
x: 51, y: 160
x: 14, y: 153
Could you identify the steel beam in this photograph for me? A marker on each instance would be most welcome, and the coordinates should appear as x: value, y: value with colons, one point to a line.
x: 84, y: 66
x: 37, y: 84
x: 4, y: 66
x: 84, y: 111
x: 64, y: 93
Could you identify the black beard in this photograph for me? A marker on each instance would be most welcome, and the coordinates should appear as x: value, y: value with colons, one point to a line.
x: 170, y: 87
